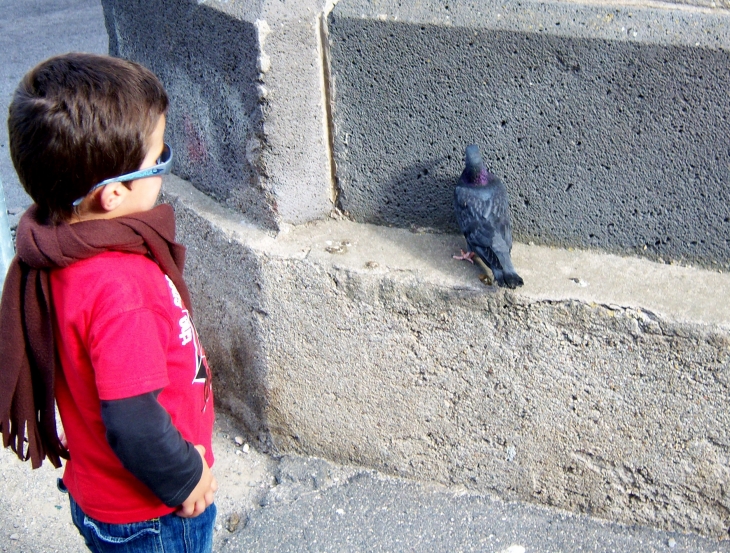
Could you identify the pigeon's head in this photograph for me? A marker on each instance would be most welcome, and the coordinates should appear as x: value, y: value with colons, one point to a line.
x: 475, y: 173
x: 473, y: 158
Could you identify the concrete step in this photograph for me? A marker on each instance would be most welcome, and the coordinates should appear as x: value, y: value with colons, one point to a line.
x: 600, y: 387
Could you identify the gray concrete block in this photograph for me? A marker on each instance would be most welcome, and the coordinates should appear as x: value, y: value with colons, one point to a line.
x: 247, y: 118
x: 608, y: 122
x: 600, y: 387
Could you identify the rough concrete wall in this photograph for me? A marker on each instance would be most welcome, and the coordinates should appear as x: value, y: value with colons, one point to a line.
x: 603, y: 411
x: 296, y: 121
x: 598, y: 408
x: 247, y: 117
x: 207, y: 61
x: 225, y: 284
x: 608, y: 124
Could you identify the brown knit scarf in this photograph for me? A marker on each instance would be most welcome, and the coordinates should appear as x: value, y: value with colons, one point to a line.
x: 28, y: 356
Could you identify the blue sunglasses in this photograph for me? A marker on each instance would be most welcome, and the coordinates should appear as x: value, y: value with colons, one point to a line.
x: 164, y: 162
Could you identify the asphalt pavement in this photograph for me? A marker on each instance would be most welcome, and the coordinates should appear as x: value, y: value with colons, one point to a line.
x: 288, y: 504
x: 318, y: 506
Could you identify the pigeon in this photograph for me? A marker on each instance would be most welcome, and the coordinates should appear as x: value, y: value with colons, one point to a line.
x: 482, y: 211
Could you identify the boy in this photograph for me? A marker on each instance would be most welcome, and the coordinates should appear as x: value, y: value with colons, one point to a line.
x: 96, y: 313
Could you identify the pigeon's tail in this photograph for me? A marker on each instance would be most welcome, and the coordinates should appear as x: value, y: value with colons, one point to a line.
x: 501, y: 266
x: 511, y: 280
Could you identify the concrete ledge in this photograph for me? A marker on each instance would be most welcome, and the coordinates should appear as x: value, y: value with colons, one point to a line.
x: 608, y: 121
x: 601, y: 387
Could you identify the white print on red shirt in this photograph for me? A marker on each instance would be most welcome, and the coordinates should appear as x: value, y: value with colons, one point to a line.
x: 189, y: 334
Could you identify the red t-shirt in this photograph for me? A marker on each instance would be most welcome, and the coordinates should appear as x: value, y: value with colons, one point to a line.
x: 122, y: 330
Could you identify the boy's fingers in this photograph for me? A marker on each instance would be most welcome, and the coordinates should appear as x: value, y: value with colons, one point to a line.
x: 201, y: 450
x: 184, y: 511
x: 192, y: 510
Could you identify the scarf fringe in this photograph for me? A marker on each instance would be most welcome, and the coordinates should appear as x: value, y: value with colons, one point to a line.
x: 26, y: 441
x: 32, y: 449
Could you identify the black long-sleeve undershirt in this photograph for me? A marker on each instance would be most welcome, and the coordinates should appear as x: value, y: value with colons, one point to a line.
x: 140, y: 432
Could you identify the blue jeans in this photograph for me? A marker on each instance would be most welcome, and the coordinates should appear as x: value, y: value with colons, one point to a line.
x: 168, y: 534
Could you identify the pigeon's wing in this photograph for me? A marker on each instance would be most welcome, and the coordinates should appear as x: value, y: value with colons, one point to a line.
x: 502, y: 241
x: 475, y: 214
x: 502, y: 215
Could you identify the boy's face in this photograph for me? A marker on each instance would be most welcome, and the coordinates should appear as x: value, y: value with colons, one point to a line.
x: 143, y: 193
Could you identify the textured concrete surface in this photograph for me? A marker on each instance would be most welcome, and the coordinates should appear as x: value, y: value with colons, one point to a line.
x: 608, y: 122
x: 714, y: 4
x: 599, y: 388
x: 248, y: 117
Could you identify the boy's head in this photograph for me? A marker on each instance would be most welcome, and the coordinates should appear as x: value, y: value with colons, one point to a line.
x: 78, y: 119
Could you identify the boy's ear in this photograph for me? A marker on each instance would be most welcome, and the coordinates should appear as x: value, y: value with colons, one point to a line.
x: 112, y: 196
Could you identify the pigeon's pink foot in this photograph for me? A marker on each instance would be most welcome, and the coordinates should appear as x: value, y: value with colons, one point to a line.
x: 465, y: 256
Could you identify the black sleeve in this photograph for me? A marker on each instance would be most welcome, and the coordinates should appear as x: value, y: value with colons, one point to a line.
x: 141, y: 434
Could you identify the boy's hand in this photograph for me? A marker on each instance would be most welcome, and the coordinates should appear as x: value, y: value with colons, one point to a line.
x: 202, y: 495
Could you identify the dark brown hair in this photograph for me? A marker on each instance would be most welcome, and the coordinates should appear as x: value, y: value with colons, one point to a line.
x: 78, y: 119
